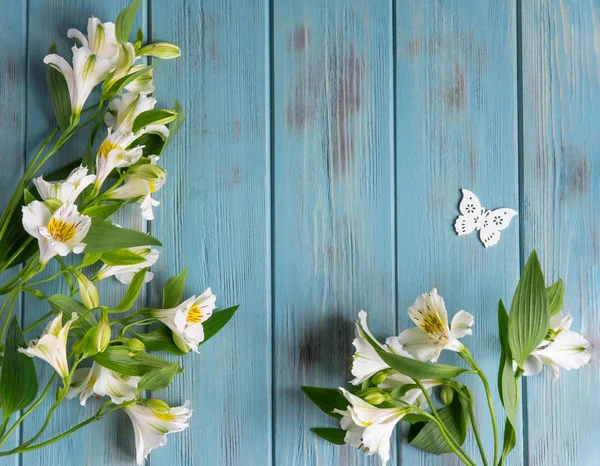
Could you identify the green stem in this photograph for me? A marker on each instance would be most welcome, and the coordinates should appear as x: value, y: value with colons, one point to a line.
x: 447, y: 435
x: 476, y: 432
x: 466, y: 355
x: 29, y: 410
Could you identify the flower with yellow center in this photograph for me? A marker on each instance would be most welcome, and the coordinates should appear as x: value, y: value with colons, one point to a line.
x: 52, y: 345
x: 185, y: 320
x: 60, y: 232
x: 433, y: 333
x: 67, y: 190
x: 125, y: 273
x: 151, y: 424
x: 100, y: 381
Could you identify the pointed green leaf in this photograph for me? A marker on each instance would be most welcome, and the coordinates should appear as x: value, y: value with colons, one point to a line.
x: 173, y: 290
x: 59, y: 93
x: 332, y: 435
x: 153, y: 117
x: 507, y: 384
x: 556, y: 297
x: 125, y: 20
x: 68, y: 306
x: 160, y: 339
x: 122, y: 257
x: 103, y: 211
x: 18, y: 381
x: 217, y: 321
x: 327, y: 399
x: 124, y: 361
x: 529, y: 316
x: 175, y: 126
x: 104, y: 237
x: 158, y: 378
x: 132, y: 293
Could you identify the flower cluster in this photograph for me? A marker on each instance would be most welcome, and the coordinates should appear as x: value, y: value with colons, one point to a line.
x: 97, y: 350
x: 395, y: 381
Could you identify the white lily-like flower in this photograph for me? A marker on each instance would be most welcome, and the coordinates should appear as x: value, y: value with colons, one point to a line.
x: 151, y: 426
x: 100, y: 39
x: 60, y: 232
x: 433, y: 334
x: 52, y: 345
x: 368, y: 426
x: 141, y: 182
x: 125, y: 273
x: 123, y: 110
x: 67, y: 190
x: 114, y: 152
x: 87, y: 72
x: 100, y: 381
x: 185, y: 320
x: 562, y: 349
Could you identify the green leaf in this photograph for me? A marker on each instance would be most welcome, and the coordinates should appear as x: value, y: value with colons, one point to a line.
x: 217, y: 321
x: 510, y: 440
x: 413, y: 368
x: 104, y: 237
x: 124, y: 361
x: 158, y: 378
x: 59, y: 93
x: 529, y: 317
x: 28, y: 197
x: 132, y: 293
x: 153, y: 117
x: 124, y: 22
x: 90, y: 259
x: 175, y: 126
x: 426, y: 435
x: 173, y: 290
x: 507, y: 384
x: 139, y: 37
x: 122, y: 257
x: 331, y: 434
x: 327, y: 399
x: 152, y: 144
x: 556, y: 297
x: 18, y: 381
x: 160, y: 339
x: 103, y: 211
x: 68, y: 306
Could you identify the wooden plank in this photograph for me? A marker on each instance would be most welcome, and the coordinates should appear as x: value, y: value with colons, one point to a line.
x: 13, y: 78
x: 214, y: 218
x: 561, y: 195
x: 456, y: 118
x: 333, y: 206
x: 111, y: 440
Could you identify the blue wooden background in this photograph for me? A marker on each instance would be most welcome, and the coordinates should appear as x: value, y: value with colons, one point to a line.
x: 318, y: 173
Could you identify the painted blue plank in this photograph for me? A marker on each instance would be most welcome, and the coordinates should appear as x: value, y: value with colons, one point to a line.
x: 561, y: 195
x: 456, y: 116
x: 111, y: 440
x: 214, y: 218
x: 333, y: 206
x: 13, y: 79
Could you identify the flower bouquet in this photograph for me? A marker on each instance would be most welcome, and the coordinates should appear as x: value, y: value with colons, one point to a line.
x: 395, y: 381
x: 57, y: 226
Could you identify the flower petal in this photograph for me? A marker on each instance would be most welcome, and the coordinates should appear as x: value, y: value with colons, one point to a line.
x: 420, y: 345
x: 461, y: 324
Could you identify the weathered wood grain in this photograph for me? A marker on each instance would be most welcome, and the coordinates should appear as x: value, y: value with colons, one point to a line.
x: 333, y: 206
x: 111, y: 440
x: 560, y: 211
x: 456, y: 116
x: 214, y: 218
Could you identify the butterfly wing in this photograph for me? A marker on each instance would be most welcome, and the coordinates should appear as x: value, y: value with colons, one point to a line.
x: 471, y: 210
x: 493, y: 222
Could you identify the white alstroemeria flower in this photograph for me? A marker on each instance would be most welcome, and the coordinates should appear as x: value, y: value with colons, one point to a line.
x: 562, y: 349
x: 433, y: 334
x: 87, y: 72
x: 141, y: 182
x: 143, y: 84
x: 100, y: 39
x: 125, y: 273
x: 151, y: 426
x: 186, y: 320
x: 123, y: 64
x: 60, y: 232
x: 365, y: 361
x: 100, y: 381
x: 114, y: 152
x: 123, y: 110
x: 67, y: 190
x: 52, y: 345
x: 369, y: 426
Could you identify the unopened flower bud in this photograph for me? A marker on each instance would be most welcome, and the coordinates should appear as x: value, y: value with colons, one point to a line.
x: 164, y: 50
x: 375, y: 396
x: 77, y: 346
x: 134, y: 344
x: 158, y: 406
x: 87, y: 291
x: 102, y: 335
x: 380, y: 377
x: 447, y: 395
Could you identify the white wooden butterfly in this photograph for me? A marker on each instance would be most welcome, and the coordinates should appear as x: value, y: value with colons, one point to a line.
x: 487, y: 222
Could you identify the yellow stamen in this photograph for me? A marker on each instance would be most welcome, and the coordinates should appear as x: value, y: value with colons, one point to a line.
x: 195, y: 314
x: 61, y: 230
x: 106, y: 147
x: 433, y: 325
x: 165, y: 416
